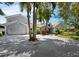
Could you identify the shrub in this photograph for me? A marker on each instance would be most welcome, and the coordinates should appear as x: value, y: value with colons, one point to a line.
x: 77, y: 32
x: 61, y: 31
x: 38, y: 31
x: 57, y: 31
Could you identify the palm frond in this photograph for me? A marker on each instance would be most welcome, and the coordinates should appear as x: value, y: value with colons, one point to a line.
x: 25, y: 5
x: 9, y: 3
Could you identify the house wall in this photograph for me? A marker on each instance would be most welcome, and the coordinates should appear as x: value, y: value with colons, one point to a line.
x: 16, y: 25
x: 16, y: 28
x: 2, y: 29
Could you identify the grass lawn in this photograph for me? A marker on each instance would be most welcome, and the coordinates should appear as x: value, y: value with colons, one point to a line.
x: 73, y: 36
x: 69, y: 36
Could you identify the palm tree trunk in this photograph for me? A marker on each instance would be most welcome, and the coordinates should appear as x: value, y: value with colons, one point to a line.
x: 29, y: 24
x: 46, y: 27
x: 34, y: 24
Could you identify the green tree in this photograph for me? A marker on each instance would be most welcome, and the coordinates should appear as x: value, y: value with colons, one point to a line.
x: 40, y: 13
x: 47, y: 15
x: 44, y: 12
x: 75, y: 14
x: 64, y: 10
x: 70, y: 12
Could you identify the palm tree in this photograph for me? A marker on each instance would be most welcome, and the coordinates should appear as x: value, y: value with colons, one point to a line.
x: 35, y: 7
x: 34, y: 23
x: 27, y: 7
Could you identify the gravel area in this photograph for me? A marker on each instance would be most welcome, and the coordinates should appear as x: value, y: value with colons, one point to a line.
x: 47, y: 46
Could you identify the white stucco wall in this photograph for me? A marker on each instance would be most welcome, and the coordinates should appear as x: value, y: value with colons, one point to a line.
x: 16, y: 25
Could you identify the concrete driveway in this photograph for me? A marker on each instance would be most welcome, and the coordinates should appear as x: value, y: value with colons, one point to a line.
x: 47, y: 46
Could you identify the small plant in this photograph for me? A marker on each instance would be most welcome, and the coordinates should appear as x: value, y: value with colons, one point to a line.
x: 57, y: 31
x: 38, y: 31
x: 77, y: 32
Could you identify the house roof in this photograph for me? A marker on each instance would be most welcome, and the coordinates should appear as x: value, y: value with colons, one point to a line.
x: 18, y: 17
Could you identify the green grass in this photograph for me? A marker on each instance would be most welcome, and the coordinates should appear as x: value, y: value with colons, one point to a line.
x: 73, y: 36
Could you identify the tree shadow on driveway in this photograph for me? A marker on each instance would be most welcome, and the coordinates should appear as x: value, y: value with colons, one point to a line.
x: 20, y: 46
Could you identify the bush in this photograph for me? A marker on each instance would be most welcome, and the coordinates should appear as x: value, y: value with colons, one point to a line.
x: 61, y: 31
x: 77, y: 32
x: 57, y: 31
x: 38, y: 31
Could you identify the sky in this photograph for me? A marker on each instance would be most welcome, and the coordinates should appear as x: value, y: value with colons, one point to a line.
x: 15, y: 9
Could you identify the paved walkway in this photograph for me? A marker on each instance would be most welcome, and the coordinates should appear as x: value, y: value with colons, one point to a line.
x: 47, y: 46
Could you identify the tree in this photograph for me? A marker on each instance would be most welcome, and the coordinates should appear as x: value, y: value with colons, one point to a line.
x: 64, y: 10
x: 34, y: 23
x: 70, y: 13
x: 35, y: 11
x: 47, y: 15
x: 44, y: 12
x: 27, y: 7
x: 75, y: 14
x: 40, y: 13
x: 48, y: 10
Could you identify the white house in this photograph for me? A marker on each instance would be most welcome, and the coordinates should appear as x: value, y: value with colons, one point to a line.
x: 16, y: 25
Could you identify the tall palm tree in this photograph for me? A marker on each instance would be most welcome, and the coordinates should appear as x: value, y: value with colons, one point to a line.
x: 34, y: 23
x: 35, y: 7
x: 27, y: 7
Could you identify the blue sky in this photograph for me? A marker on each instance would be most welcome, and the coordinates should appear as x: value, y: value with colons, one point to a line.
x: 15, y: 9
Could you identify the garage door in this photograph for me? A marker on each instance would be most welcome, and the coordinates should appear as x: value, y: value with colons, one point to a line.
x: 16, y: 29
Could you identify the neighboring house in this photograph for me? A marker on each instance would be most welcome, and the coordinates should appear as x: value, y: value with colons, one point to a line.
x: 2, y: 29
x: 49, y: 28
x: 16, y: 25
